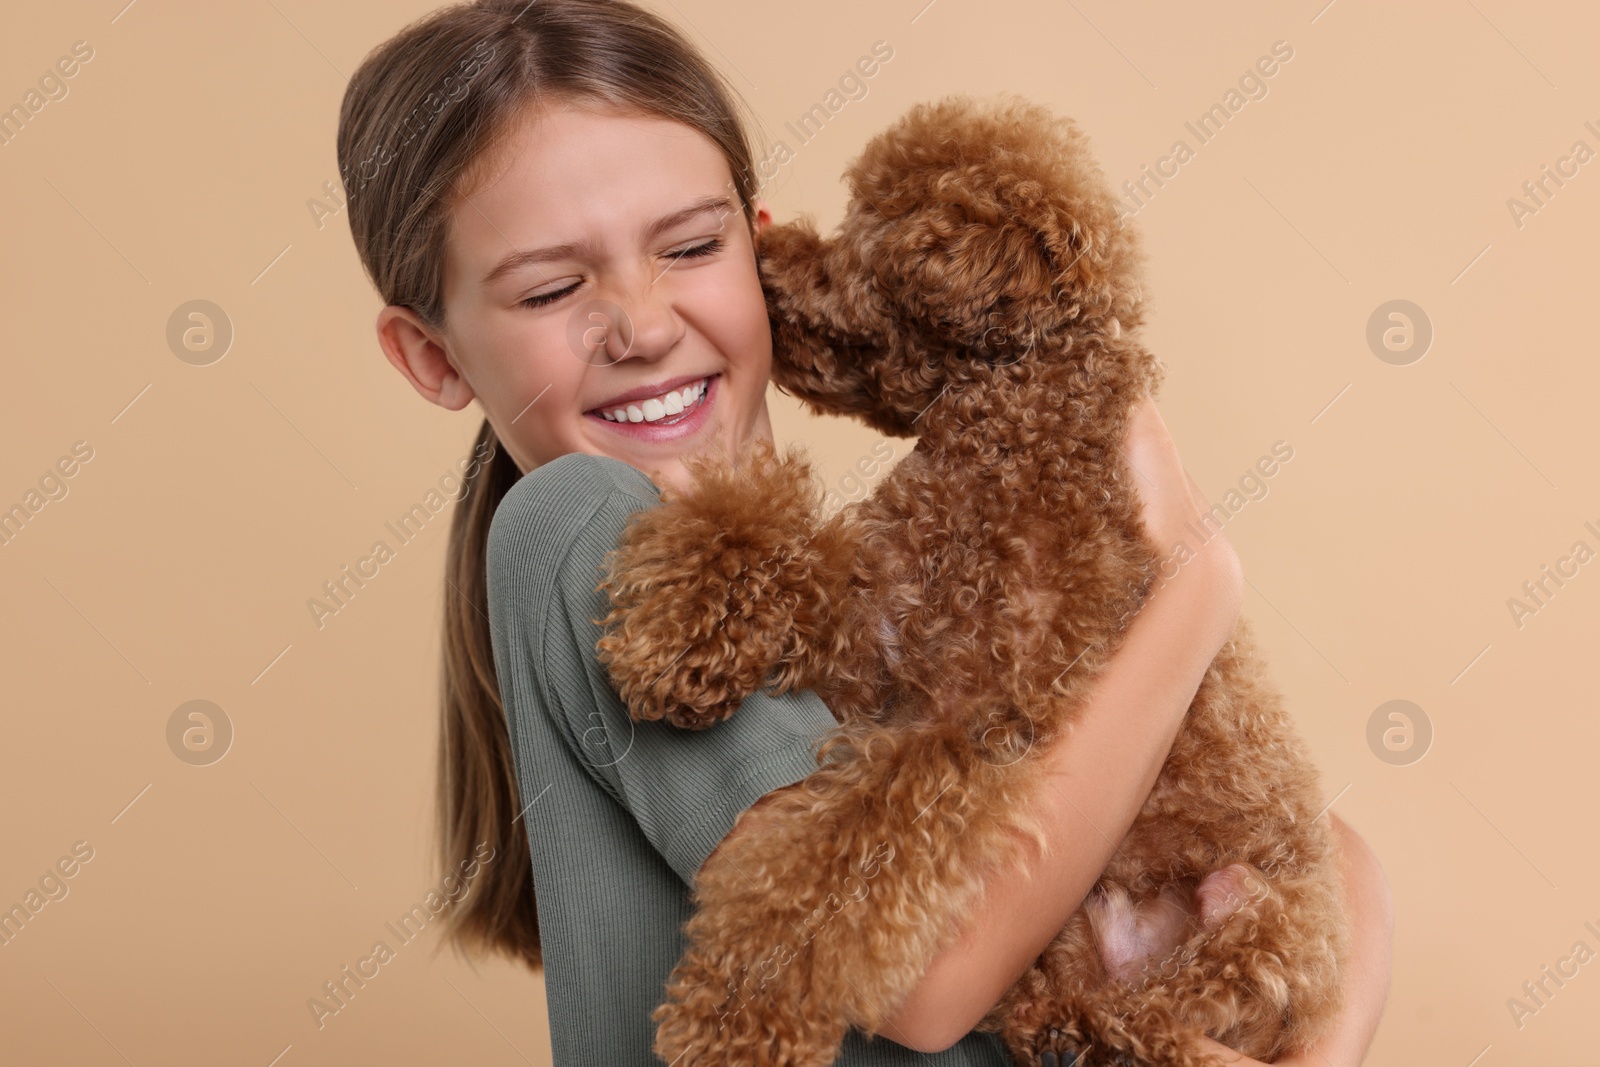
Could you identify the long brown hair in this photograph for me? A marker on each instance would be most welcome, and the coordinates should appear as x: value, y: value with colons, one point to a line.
x: 423, y: 108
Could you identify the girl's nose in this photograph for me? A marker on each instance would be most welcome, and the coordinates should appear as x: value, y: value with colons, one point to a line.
x: 638, y: 322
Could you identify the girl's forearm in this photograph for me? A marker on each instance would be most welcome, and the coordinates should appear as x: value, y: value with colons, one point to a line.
x: 1370, y: 909
x: 1098, y: 776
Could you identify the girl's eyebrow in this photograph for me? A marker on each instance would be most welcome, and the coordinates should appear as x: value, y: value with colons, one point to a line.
x: 575, y: 249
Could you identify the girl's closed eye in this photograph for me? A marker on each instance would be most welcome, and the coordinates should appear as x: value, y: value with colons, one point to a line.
x: 541, y: 299
x: 710, y: 247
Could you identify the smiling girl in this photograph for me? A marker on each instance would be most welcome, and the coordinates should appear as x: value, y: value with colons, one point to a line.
x: 567, y: 238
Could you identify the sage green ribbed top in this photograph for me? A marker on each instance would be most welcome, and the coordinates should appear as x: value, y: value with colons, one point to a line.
x: 619, y: 814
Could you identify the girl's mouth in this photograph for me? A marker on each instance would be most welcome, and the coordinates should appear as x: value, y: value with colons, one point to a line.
x: 667, y: 417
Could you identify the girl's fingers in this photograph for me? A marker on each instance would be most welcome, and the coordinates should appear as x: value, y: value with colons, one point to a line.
x: 1226, y: 1055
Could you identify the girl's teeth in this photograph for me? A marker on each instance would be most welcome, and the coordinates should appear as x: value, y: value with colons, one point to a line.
x: 657, y: 408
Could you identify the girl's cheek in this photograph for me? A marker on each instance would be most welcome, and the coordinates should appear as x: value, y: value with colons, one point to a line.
x: 757, y: 347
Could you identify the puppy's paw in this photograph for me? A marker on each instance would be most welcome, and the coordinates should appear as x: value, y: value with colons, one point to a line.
x: 1053, y: 1048
x: 706, y: 588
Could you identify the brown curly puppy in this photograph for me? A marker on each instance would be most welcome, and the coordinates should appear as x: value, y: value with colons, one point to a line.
x: 981, y: 295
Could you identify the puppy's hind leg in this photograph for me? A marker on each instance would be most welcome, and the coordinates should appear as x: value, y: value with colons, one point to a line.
x: 826, y: 906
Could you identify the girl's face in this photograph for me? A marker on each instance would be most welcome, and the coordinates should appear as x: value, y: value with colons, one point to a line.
x: 600, y: 295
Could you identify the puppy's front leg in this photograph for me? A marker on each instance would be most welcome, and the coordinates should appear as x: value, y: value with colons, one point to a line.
x: 717, y: 590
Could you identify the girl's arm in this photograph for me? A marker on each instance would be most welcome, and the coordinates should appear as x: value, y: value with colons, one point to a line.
x: 1370, y: 911
x: 1098, y: 777
x: 1098, y: 774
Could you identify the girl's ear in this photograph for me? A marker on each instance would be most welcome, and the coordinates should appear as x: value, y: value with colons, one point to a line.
x: 420, y: 354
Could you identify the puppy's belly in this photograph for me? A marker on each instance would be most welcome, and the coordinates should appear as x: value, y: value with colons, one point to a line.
x: 1129, y: 933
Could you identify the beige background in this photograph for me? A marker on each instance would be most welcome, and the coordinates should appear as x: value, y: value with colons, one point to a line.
x: 219, y: 498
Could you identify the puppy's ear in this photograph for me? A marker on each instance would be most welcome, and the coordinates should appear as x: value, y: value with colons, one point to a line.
x: 991, y: 222
x: 828, y: 323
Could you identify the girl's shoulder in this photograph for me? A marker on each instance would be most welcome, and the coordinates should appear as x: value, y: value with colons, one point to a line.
x: 576, y: 477
x: 556, y: 504
x: 548, y: 538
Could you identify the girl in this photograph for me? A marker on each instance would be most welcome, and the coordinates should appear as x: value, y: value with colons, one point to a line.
x: 555, y: 199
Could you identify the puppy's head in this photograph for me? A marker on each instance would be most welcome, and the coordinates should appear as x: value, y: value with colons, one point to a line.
x: 977, y: 233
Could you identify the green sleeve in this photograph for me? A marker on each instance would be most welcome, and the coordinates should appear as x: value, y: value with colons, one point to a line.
x: 684, y: 788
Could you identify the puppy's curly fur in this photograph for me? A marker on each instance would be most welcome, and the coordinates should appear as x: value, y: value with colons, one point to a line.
x: 981, y: 294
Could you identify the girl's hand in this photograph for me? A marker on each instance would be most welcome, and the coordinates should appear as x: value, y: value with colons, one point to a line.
x: 1238, y: 1059
x: 1228, y: 1056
